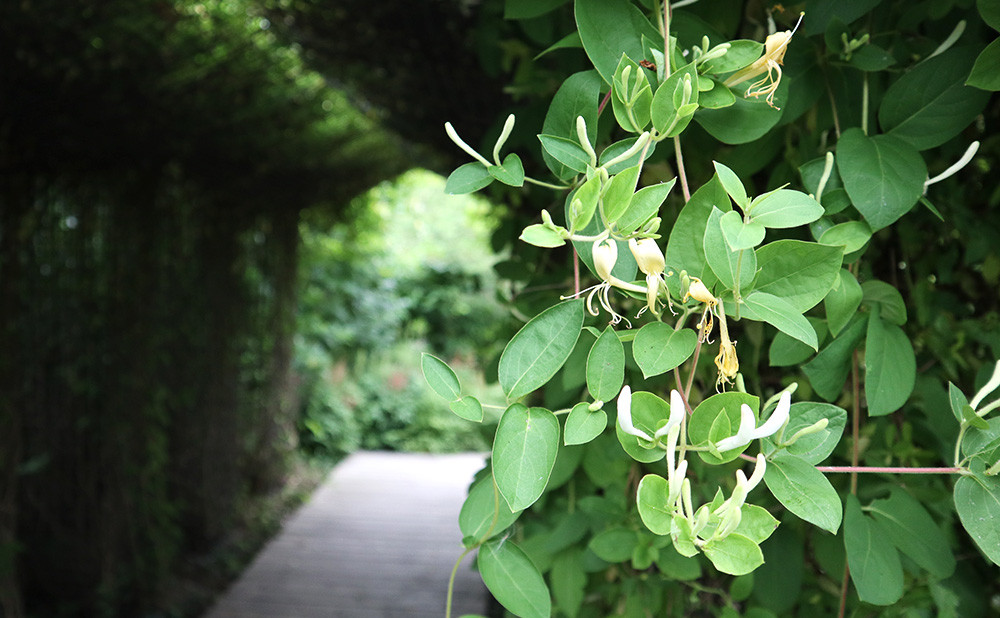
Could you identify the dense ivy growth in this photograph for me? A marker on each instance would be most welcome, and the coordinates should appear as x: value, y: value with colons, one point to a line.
x: 818, y: 160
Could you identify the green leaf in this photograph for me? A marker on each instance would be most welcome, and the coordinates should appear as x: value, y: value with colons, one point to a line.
x: 887, y: 298
x: 510, y: 173
x: 984, y: 73
x: 469, y: 408
x: 727, y: 264
x: 815, y: 447
x: 990, y: 12
x: 649, y: 413
x: 570, y: 41
x: 624, y: 92
x: 569, y: 582
x: 741, y: 53
x: 802, y: 273
x: 912, y: 530
x: 744, y: 121
x: 467, y: 178
x: 645, y: 204
x: 665, y: 112
x: 440, y: 377
x: 977, y: 500
x: 718, y: 97
x: 822, y: 13
x: 651, y: 499
x: 930, y: 104
x: 583, y: 425
x: 786, y: 351
x: 785, y: 208
x: 513, y: 579
x: 874, y: 562
x: 578, y: 96
x: 842, y: 302
x: 883, y: 175
x: 780, y: 314
x: 740, y: 235
x: 958, y: 401
x: 583, y: 204
x: 804, y: 491
x: 606, y: 366
x: 476, y: 518
x: 890, y: 366
x: 851, y: 235
x: 541, y: 236
x: 828, y: 371
x: 609, y: 28
x: 658, y: 348
x: 677, y: 567
x: 524, y: 451
x: 540, y: 348
x: 735, y: 554
x: 566, y: 151
x: 733, y: 185
x: 614, y: 545
x: 620, y: 147
x: 756, y: 523
x: 982, y: 440
x: 872, y: 58
x: 685, y: 247
x: 718, y: 418
x: 619, y: 194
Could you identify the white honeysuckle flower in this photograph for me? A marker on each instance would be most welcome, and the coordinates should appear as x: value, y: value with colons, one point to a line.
x: 676, y: 414
x: 777, y: 419
x: 748, y: 432
x: 758, y: 472
x: 988, y: 388
x: 652, y: 264
x: 625, y: 415
x: 677, y: 483
x: 605, y: 253
x: 745, y: 433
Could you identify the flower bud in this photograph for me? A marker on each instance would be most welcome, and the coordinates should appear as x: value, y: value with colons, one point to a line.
x: 698, y: 291
x: 605, y: 254
x: 647, y: 255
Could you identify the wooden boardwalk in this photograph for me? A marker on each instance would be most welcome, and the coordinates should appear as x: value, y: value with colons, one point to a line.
x: 377, y: 540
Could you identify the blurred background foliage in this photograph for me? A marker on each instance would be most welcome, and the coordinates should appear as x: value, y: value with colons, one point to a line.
x: 196, y: 289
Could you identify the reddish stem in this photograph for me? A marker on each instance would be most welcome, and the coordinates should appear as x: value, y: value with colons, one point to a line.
x: 600, y: 108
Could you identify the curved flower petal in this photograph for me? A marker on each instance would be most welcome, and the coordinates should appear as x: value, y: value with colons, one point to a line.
x: 676, y: 414
x: 777, y: 419
x: 758, y: 472
x: 745, y: 433
x: 625, y: 415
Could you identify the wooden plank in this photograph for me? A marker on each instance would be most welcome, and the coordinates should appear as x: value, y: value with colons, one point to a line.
x: 377, y: 539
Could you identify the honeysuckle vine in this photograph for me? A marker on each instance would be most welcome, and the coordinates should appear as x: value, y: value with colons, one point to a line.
x: 727, y: 254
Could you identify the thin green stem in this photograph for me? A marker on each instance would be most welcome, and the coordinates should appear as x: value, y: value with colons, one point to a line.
x: 864, y: 104
x: 451, y: 582
x: 958, y: 443
x: 547, y: 185
x: 680, y: 169
x: 666, y: 38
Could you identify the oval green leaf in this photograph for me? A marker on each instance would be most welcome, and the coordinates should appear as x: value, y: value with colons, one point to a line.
x: 606, y: 366
x: 784, y: 209
x: 884, y: 176
x: 735, y: 554
x: 467, y: 178
x: 804, y: 491
x: 658, y: 348
x: 483, y: 514
x: 977, y: 500
x: 890, y: 366
x: 583, y: 425
x: 802, y: 273
x: 469, y: 408
x: 780, y: 314
x: 652, y: 502
x: 540, y: 348
x: 913, y: 531
x: 874, y: 562
x: 524, y: 451
x: 513, y: 579
x: 717, y: 418
x: 842, y: 302
x: 440, y: 377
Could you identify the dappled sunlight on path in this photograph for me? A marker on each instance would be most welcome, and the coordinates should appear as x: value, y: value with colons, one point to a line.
x: 378, y: 539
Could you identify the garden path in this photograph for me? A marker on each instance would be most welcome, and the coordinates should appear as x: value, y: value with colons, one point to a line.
x: 377, y: 540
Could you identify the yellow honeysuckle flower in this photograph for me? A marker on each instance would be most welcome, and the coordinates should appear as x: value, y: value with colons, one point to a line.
x: 770, y: 63
x: 726, y: 361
